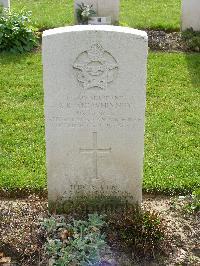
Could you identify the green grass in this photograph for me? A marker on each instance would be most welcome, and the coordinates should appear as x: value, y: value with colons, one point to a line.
x: 47, y: 13
x: 151, y: 14
x: 22, y: 124
x: 161, y: 14
x: 172, y: 128
x: 172, y: 161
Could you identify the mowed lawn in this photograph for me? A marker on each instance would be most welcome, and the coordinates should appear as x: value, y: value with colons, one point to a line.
x: 154, y: 14
x: 172, y: 151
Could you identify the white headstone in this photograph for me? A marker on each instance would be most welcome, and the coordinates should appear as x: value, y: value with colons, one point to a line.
x: 5, y: 3
x: 103, y: 8
x: 94, y: 80
x: 191, y: 14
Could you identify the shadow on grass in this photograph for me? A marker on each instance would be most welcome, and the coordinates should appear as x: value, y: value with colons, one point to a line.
x: 7, y: 58
x: 193, y: 64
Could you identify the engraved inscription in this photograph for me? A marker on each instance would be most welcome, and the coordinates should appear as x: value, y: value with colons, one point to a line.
x: 92, y: 111
x: 95, y: 150
x: 95, y: 68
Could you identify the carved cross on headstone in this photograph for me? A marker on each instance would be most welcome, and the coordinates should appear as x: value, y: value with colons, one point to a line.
x: 95, y: 150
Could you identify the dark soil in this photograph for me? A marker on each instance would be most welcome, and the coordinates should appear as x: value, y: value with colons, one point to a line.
x: 21, y: 240
x: 166, y: 41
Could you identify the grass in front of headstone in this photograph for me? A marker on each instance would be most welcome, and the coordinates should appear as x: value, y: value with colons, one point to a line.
x: 172, y: 129
x: 134, y: 13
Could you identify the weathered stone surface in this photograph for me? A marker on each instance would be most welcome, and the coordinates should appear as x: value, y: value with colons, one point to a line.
x: 103, y: 8
x: 5, y: 3
x: 191, y: 14
x: 94, y: 80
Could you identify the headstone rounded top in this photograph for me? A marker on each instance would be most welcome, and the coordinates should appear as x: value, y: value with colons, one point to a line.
x: 105, y: 28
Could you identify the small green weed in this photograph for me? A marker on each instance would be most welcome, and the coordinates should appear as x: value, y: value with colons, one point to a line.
x: 141, y: 232
x: 16, y: 33
x: 189, y: 204
x: 193, y: 205
x: 79, y: 242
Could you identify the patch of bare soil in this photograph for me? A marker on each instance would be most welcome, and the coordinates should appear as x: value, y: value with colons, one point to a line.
x: 21, y: 242
x: 19, y: 235
x: 182, y: 229
x: 159, y: 40
x: 166, y: 41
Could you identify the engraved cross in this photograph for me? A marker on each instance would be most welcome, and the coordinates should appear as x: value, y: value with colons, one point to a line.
x: 95, y: 150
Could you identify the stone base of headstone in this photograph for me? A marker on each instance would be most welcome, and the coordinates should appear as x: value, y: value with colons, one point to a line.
x: 89, y: 203
x: 103, y: 8
x: 191, y: 15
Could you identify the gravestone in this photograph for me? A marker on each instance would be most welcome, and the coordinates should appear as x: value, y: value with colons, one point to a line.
x: 5, y: 3
x: 191, y: 14
x: 103, y: 8
x: 94, y: 81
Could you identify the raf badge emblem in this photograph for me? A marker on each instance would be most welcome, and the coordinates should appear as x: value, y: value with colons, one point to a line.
x: 95, y: 68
